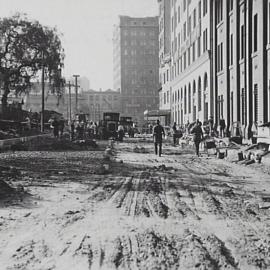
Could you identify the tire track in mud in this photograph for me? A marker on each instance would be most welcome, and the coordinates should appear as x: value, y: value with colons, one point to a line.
x: 31, y: 254
x: 206, y: 252
x: 253, y: 247
x: 85, y: 250
x: 141, y: 196
x: 120, y: 194
x: 182, y: 200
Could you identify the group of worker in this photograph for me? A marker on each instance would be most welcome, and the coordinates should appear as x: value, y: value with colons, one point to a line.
x: 159, y: 133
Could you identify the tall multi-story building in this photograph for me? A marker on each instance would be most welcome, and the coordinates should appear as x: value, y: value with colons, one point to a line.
x: 220, y: 62
x: 165, y: 58
x: 136, y: 65
x: 241, y: 70
x: 186, y: 78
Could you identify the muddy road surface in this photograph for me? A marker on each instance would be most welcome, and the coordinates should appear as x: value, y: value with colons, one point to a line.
x: 139, y: 212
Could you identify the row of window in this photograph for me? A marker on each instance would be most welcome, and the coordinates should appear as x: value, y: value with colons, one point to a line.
x: 189, y: 56
x: 176, y: 16
x: 187, y: 95
x: 243, y: 37
x: 98, y: 97
x: 135, y: 42
x: 187, y: 3
x: 131, y: 61
x: 142, y: 33
x: 133, y: 52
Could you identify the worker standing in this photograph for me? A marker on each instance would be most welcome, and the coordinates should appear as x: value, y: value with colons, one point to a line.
x: 158, y: 132
x: 197, y: 135
x: 174, y: 129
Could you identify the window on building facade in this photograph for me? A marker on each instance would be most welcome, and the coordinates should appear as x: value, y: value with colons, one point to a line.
x: 164, y: 98
x: 230, y: 5
x: 167, y: 75
x: 194, y: 18
x: 185, y: 100
x: 219, y: 11
x: 242, y: 53
x: 204, y: 40
x: 269, y: 23
x: 244, y: 106
x: 199, y: 46
x: 199, y: 95
x: 189, y: 99
x: 185, y: 31
x: 193, y: 51
x: 185, y: 60
x: 189, y: 25
x: 172, y: 24
x: 256, y: 103
x: 184, y: 4
x: 199, y: 10
x: 188, y: 56
x: 220, y: 57
x: 204, y: 7
x: 178, y: 14
x: 231, y: 50
x: 255, y: 44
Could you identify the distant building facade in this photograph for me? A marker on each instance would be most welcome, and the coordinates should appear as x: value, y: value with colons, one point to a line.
x: 32, y: 100
x: 219, y: 62
x: 98, y: 102
x: 185, y: 67
x: 165, y: 59
x: 136, y: 65
x: 90, y: 102
x: 241, y: 28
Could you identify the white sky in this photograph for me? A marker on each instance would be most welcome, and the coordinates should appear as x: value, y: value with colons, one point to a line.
x: 87, y: 27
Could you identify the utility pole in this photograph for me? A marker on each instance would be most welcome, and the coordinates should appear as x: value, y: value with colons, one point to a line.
x: 69, y: 95
x: 43, y: 95
x: 76, y: 91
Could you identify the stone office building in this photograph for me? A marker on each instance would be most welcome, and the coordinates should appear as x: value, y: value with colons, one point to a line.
x: 220, y: 62
x: 241, y: 53
x: 165, y: 59
x: 136, y: 65
x: 190, y: 93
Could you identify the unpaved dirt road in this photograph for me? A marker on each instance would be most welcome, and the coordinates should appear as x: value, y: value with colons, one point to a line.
x: 171, y: 212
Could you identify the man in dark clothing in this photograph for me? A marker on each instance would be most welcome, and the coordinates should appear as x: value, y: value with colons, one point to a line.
x: 222, y: 127
x: 158, y: 131
x: 197, y: 135
x: 174, y: 128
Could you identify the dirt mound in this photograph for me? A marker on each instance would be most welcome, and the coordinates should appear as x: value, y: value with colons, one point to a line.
x: 52, y: 144
x: 6, y: 190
